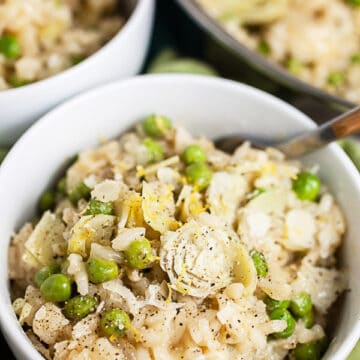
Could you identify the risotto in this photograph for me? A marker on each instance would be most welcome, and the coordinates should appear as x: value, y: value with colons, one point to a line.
x: 160, y: 246
x: 317, y: 41
x: 40, y: 38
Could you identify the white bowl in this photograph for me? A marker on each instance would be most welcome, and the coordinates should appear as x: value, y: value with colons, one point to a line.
x: 121, y: 57
x: 206, y: 106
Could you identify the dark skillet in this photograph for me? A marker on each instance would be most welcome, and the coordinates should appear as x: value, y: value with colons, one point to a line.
x: 258, y: 62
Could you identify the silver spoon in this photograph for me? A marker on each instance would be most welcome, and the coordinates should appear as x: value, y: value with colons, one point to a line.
x: 343, y: 125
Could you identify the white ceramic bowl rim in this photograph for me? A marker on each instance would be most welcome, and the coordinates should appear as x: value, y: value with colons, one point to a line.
x: 135, y: 14
x: 9, y: 327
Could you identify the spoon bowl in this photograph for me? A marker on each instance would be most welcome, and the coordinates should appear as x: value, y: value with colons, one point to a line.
x: 335, y: 129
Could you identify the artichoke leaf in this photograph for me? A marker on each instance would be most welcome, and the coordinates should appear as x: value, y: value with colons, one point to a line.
x: 47, y: 236
x: 272, y: 201
x: 244, y: 270
x: 158, y: 206
x: 224, y: 194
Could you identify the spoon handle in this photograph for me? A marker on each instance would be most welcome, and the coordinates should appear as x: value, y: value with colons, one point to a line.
x: 344, y: 125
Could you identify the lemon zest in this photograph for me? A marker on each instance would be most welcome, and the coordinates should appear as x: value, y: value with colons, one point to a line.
x: 113, y: 338
x: 178, y: 287
x: 285, y: 232
x: 183, y: 180
x: 77, y: 242
x: 135, y: 212
x: 135, y: 333
x: 269, y: 168
x: 140, y: 171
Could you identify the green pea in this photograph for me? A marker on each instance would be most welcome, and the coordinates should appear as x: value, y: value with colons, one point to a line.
x: 56, y: 288
x: 306, y: 186
x: 79, y: 306
x: 354, y: 2
x: 283, y: 314
x: 156, y: 125
x: 260, y: 263
x: 139, y: 254
x: 15, y: 81
x: 10, y: 47
x: 355, y: 59
x: 45, y: 272
x: 309, y: 319
x: 77, y: 59
x: 336, y: 78
x: 310, y: 351
x: 199, y: 175
x: 193, y: 154
x: 301, y: 304
x: 96, y: 207
x: 100, y: 270
x: 61, y: 186
x: 154, y: 149
x: 264, y: 48
x: 47, y: 201
x: 115, y: 322
x: 272, y: 304
x: 323, y: 344
x: 80, y: 191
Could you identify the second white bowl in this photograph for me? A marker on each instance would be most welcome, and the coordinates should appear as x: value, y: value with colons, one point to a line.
x: 122, y: 56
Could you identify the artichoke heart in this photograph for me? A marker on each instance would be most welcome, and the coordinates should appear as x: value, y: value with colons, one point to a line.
x: 46, y: 237
x: 202, y: 257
